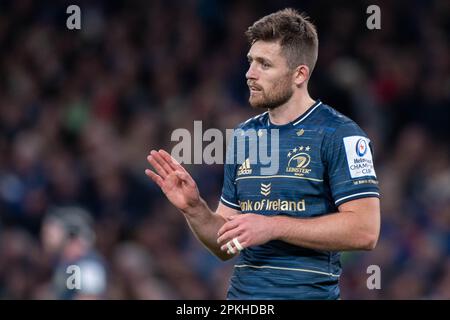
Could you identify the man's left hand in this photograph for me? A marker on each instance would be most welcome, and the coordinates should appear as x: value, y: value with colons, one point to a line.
x: 248, y: 229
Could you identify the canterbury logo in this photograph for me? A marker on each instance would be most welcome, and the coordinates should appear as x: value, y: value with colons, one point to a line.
x: 265, y: 189
x: 245, y: 168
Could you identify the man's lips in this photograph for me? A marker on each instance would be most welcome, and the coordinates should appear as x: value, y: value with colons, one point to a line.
x: 254, y: 87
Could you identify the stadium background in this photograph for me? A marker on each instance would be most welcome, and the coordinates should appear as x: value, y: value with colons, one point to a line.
x: 80, y: 110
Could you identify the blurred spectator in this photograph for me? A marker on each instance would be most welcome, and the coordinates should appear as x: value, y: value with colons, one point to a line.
x: 68, y: 239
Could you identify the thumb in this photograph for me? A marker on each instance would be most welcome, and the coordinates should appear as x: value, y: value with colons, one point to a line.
x: 230, y: 218
x: 185, y: 178
x: 180, y: 175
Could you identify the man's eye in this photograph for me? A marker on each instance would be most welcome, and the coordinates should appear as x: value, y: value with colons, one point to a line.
x: 265, y: 65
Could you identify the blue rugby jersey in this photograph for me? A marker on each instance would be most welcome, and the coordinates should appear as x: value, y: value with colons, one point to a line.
x: 324, y: 160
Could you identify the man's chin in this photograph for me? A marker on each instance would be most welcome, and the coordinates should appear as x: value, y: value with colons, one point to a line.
x: 257, y: 103
x: 257, y: 106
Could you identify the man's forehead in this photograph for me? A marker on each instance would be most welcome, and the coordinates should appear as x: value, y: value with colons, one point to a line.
x: 270, y: 50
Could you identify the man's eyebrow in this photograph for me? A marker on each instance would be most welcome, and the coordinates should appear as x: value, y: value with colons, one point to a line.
x: 259, y: 59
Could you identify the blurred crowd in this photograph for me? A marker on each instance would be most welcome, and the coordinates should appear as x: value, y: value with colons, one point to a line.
x: 81, y: 109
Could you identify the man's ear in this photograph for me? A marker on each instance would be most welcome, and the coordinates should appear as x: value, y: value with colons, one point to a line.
x: 301, y: 75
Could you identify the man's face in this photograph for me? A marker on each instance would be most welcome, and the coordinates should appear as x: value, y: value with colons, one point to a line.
x: 53, y: 236
x: 269, y: 79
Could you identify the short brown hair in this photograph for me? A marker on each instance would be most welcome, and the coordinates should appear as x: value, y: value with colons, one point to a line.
x: 297, y: 36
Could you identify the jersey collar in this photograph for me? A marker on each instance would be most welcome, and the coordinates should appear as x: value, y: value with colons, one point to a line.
x: 300, y: 118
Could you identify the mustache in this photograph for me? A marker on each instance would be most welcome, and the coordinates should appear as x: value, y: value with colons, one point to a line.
x: 254, y: 85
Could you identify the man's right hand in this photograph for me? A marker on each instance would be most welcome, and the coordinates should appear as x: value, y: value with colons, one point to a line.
x: 182, y: 192
x: 176, y: 183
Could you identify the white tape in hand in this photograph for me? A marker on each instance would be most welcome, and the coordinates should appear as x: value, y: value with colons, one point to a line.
x: 237, y: 244
x: 230, y: 248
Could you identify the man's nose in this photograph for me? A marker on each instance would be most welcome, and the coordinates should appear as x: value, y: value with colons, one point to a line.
x: 251, y: 72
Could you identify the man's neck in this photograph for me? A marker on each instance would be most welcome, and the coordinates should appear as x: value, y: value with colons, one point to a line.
x: 291, y: 110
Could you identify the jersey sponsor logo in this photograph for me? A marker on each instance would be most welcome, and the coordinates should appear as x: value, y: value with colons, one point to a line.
x: 299, y: 161
x: 272, y: 205
x: 266, y: 189
x: 359, y: 156
x: 245, y: 168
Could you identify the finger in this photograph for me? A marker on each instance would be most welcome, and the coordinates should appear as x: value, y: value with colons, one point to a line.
x: 242, y: 245
x: 228, y: 236
x: 162, y: 162
x: 185, y: 177
x: 237, y: 244
x: 178, y: 167
x: 230, y: 248
x: 158, y: 168
x: 227, y: 226
x: 175, y: 165
x: 157, y: 179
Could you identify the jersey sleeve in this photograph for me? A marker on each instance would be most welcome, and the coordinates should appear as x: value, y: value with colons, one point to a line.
x: 229, y: 194
x: 348, y: 154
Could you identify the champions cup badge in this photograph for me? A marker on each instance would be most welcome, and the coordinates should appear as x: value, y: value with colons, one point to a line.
x: 361, y: 147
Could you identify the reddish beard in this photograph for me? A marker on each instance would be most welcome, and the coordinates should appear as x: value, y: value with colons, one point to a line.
x: 274, y: 97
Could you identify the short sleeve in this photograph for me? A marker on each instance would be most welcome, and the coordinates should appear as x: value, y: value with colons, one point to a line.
x: 348, y: 154
x: 229, y: 194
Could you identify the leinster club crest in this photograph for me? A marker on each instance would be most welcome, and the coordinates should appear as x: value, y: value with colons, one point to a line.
x: 299, y: 160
